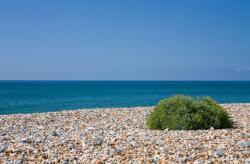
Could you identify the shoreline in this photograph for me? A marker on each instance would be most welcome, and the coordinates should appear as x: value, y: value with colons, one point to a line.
x: 118, y: 134
x: 104, y: 108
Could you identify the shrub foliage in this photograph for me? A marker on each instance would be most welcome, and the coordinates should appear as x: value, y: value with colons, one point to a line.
x: 185, y: 113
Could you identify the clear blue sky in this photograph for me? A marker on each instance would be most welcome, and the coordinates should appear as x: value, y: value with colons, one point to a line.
x: 125, y: 40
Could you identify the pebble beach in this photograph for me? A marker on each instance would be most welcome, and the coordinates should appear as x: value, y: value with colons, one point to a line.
x: 119, y: 135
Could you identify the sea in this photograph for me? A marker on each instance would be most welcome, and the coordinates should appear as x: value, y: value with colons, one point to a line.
x: 50, y: 96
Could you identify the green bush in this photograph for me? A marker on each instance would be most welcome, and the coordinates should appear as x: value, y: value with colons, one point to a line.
x: 185, y: 113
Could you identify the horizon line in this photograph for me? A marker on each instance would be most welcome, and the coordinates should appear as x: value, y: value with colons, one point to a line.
x: 130, y: 80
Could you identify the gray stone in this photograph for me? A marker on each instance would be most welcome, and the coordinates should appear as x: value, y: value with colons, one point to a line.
x: 8, y: 162
x: 220, y: 152
x: 112, y: 133
x: 3, y: 147
x: 133, y: 143
x: 55, y: 133
x: 18, y: 162
x: 118, y: 150
x: 25, y: 140
x: 197, y: 162
x: 96, y: 141
x: 245, y: 144
x: 38, y: 140
x: 159, y: 142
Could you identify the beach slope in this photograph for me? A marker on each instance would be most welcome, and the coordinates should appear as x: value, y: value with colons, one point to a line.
x: 118, y: 134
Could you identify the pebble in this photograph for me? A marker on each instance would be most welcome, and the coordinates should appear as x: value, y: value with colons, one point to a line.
x: 3, y: 147
x: 220, y: 152
x: 245, y: 144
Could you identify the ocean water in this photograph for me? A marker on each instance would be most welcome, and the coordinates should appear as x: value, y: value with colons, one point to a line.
x: 44, y: 96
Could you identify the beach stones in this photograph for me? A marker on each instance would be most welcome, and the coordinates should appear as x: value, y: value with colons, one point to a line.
x: 116, y: 135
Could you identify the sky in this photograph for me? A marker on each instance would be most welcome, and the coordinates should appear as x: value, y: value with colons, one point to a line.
x: 125, y: 40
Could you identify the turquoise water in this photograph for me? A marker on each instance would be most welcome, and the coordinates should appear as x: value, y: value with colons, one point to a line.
x: 44, y: 96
